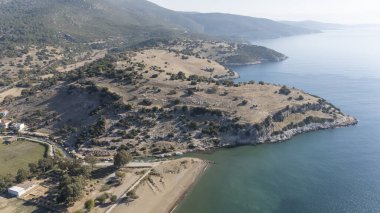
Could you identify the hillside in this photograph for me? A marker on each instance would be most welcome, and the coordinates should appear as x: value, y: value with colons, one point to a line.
x: 315, y: 25
x: 131, y: 21
x: 244, y: 27
x: 225, y: 53
x: 157, y: 101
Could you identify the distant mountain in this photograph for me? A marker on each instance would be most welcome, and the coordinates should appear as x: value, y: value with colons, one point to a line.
x: 236, y: 26
x: 125, y: 20
x: 314, y: 25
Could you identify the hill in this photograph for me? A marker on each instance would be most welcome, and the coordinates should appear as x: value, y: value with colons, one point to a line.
x: 244, y: 27
x: 315, y: 25
x: 155, y: 101
x: 49, y: 21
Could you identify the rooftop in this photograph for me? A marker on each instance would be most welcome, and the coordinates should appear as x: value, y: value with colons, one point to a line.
x: 17, y: 189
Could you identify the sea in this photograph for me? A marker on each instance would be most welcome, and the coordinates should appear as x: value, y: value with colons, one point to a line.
x: 335, y: 170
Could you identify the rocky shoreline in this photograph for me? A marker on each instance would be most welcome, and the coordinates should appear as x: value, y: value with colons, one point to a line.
x: 289, y: 134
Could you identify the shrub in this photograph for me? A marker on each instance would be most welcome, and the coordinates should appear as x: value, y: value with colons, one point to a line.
x: 244, y: 102
x: 102, y: 198
x: 90, y: 204
x: 176, y: 102
x: 146, y: 102
x: 120, y: 175
x: 284, y: 91
x: 105, y: 187
x: 132, y: 194
x: 113, y: 198
x: 300, y: 98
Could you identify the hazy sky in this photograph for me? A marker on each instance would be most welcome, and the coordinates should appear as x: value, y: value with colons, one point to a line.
x: 339, y: 11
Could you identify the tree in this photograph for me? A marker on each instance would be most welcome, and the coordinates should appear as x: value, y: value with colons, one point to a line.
x: 46, y: 164
x: 74, y: 168
x: 33, y: 168
x: 120, y: 175
x: 92, y: 160
x: 90, y: 204
x: 71, y: 189
x: 5, y: 182
x: 22, y: 175
x: 122, y: 158
x: 8, y: 99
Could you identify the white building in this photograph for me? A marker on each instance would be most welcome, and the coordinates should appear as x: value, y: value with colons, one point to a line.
x: 17, y: 127
x: 21, y: 189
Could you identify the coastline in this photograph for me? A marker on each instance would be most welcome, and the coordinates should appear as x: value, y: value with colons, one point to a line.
x: 185, y: 193
x: 164, y: 192
x: 232, y: 77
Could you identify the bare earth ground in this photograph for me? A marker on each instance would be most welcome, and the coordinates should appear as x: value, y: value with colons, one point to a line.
x: 95, y: 56
x: 173, y: 63
x: 160, y: 194
x: 14, y: 205
x: 15, y: 92
x: 128, y: 181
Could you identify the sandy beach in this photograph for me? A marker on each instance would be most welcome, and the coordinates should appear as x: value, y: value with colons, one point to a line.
x: 165, y: 187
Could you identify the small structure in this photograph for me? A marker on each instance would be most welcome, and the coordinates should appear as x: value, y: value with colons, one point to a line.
x: 178, y: 153
x: 17, y: 127
x: 21, y: 189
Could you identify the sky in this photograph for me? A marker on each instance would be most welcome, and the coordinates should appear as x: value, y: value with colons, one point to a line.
x: 333, y: 11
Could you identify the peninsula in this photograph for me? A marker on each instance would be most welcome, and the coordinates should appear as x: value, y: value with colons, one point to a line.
x: 100, y: 100
x: 158, y: 100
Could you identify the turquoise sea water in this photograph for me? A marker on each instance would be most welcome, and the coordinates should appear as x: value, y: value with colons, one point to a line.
x: 326, y: 171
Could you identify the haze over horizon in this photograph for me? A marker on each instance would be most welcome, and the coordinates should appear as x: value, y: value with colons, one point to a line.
x: 336, y: 11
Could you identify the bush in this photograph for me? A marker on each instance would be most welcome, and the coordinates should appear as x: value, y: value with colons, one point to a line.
x: 105, y: 187
x: 90, y: 204
x: 120, y: 175
x: 132, y: 195
x: 176, y: 102
x: 113, y: 198
x: 284, y: 91
x: 146, y: 102
x: 102, y: 198
x: 244, y: 102
x: 300, y: 98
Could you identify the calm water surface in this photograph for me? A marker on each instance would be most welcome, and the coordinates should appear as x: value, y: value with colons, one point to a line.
x: 326, y: 171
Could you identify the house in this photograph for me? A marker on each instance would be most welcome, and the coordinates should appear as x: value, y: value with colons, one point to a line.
x: 178, y: 153
x: 17, y: 127
x: 21, y: 189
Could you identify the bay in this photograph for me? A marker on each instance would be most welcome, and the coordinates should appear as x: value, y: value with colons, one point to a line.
x: 325, y: 171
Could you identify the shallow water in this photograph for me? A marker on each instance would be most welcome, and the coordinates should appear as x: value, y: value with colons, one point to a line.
x: 326, y: 171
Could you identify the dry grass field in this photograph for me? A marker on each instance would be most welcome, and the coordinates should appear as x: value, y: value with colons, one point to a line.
x: 18, y: 155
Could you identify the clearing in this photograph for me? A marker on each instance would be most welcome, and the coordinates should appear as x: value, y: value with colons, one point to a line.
x: 19, y: 154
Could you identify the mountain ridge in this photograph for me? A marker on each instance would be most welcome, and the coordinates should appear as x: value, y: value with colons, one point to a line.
x: 125, y: 20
